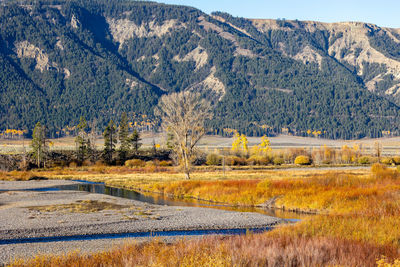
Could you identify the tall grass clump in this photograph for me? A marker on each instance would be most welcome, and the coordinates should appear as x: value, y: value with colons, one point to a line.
x: 135, y: 163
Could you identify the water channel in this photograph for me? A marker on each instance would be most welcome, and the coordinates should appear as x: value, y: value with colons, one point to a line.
x: 152, y: 198
x: 160, y: 199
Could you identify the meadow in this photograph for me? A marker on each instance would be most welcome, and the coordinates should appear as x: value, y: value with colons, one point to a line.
x: 354, y: 219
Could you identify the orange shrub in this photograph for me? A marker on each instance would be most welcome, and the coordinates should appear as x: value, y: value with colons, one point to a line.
x: 100, y: 163
x: 235, y: 161
x: 135, y: 163
x: 377, y: 167
x: 380, y: 171
x: 73, y: 164
x: 150, y: 166
x: 258, y: 160
x: 165, y: 163
x: 86, y: 162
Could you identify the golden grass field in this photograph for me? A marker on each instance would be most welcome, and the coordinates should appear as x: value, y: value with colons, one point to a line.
x: 356, y: 223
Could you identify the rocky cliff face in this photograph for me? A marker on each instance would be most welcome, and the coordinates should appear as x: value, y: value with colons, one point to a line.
x: 352, y: 44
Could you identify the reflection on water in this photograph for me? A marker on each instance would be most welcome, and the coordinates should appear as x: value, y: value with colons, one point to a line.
x: 159, y: 199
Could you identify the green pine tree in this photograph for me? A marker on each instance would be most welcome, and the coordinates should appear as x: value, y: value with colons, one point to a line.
x: 135, y: 140
x: 110, y: 141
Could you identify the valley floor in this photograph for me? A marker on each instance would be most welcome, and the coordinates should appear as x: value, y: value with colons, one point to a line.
x: 355, y: 221
x: 37, y: 214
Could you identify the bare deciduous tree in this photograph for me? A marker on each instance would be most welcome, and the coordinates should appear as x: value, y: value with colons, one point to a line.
x: 183, y: 115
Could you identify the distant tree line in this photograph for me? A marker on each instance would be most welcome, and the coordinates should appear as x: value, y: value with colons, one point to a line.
x: 89, y: 74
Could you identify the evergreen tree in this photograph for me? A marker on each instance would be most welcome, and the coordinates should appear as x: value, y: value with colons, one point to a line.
x: 38, y: 144
x: 81, y: 140
x: 135, y: 140
x: 123, y: 137
x: 110, y: 141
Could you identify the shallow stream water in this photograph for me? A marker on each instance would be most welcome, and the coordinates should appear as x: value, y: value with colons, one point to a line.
x: 159, y: 199
x: 153, y: 198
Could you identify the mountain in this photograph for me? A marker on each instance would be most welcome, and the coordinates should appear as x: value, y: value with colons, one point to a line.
x: 64, y: 59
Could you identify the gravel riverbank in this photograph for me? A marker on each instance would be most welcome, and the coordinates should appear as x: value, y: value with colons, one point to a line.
x: 30, y: 214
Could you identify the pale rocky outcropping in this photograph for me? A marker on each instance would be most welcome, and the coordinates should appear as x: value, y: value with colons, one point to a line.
x: 124, y: 29
x: 308, y: 55
x: 211, y: 83
x: 25, y: 49
x: 131, y: 83
x: 75, y: 22
x: 198, y: 55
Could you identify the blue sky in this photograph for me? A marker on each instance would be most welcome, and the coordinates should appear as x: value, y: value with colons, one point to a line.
x: 385, y: 13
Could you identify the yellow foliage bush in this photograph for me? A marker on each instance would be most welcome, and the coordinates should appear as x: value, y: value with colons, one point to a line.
x: 384, y: 262
x: 396, y: 160
x: 302, y: 160
x: 292, y: 153
x: 387, y: 161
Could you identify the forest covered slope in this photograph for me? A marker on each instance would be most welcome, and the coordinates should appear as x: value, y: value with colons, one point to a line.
x: 64, y: 59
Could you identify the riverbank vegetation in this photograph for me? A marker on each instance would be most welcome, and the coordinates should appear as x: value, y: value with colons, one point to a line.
x: 86, y: 151
x: 356, y: 213
x: 268, y: 249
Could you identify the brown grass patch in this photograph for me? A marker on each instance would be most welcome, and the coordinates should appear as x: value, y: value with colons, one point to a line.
x: 80, y: 206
